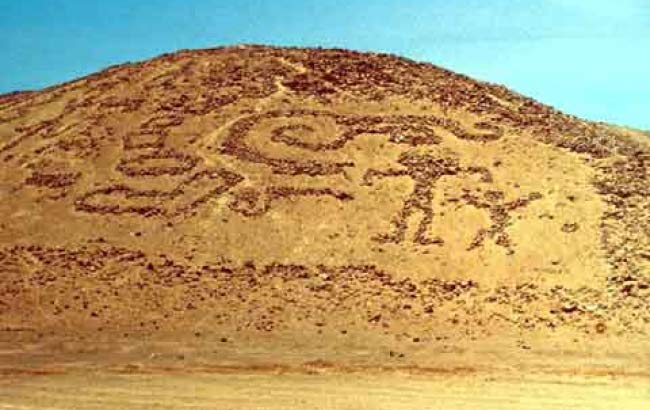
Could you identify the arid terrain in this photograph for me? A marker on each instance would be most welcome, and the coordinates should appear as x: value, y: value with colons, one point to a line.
x: 317, y: 219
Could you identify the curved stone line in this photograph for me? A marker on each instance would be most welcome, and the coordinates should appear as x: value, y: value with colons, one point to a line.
x: 251, y: 202
x: 52, y: 180
x: 129, y: 166
x: 234, y: 145
x: 227, y: 178
x: 403, y: 129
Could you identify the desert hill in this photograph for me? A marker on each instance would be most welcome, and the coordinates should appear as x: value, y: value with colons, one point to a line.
x: 255, y: 196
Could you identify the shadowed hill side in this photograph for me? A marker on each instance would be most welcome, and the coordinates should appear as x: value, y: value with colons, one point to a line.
x: 249, y: 193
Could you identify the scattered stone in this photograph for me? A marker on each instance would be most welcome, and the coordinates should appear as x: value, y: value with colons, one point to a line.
x: 569, y: 227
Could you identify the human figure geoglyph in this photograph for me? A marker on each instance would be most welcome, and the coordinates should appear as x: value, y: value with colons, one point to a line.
x: 425, y: 170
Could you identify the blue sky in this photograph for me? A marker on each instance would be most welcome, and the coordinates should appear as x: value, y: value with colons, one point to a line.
x: 587, y: 57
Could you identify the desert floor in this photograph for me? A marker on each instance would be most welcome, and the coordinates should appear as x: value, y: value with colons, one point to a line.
x: 255, y: 390
x: 588, y: 374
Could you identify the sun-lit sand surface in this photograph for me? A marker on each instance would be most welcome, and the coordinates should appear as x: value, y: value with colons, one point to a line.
x: 299, y: 391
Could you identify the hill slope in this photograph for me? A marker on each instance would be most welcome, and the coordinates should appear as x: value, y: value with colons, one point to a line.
x: 305, y: 199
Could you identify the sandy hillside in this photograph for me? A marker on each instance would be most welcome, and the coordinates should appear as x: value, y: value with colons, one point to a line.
x: 254, y: 207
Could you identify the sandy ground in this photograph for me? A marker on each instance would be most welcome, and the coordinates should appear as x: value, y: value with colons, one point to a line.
x: 320, y: 391
x: 590, y: 375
